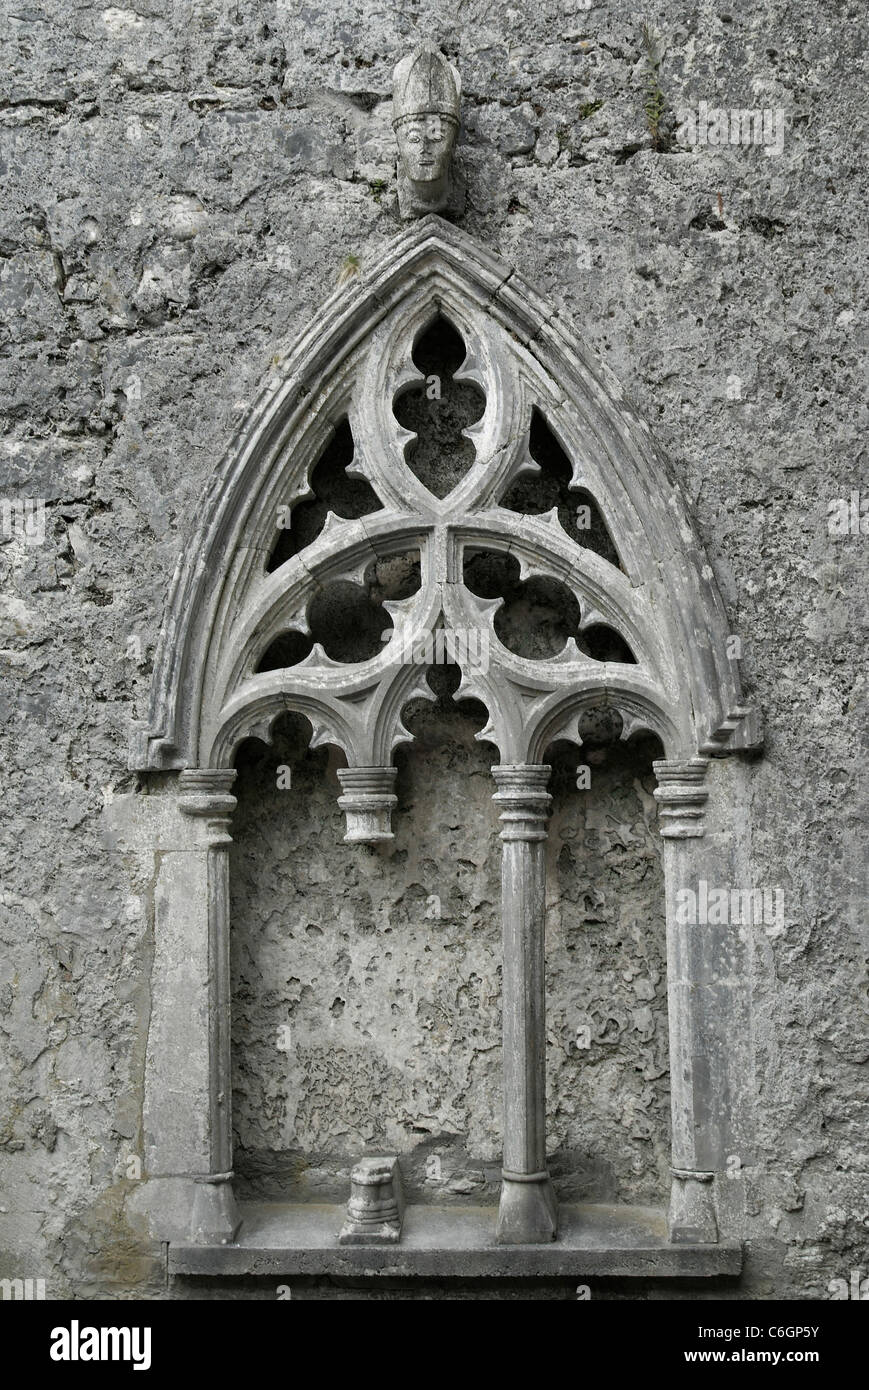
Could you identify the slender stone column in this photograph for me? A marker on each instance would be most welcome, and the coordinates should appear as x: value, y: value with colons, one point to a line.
x: 205, y: 795
x: 681, y: 794
x: 528, y: 1212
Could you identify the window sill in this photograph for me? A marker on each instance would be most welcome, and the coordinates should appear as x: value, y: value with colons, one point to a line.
x: 455, y: 1243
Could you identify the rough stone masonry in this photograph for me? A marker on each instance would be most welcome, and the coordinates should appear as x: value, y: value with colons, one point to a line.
x: 183, y: 186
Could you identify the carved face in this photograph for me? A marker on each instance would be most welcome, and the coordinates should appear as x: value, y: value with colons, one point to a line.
x: 425, y: 143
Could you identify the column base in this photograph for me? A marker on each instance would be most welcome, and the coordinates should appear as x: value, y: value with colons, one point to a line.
x: 528, y: 1210
x: 691, y: 1218
x: 376, y: 1208
x: 215, y: 1219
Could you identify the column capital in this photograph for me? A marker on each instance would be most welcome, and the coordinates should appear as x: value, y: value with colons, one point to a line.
x: 203, y: 792
x: 367, y: 802
x: 526, y: 802
x: 681, y: 794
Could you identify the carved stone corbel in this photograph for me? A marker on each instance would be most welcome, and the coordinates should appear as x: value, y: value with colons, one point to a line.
x: 426, y: 90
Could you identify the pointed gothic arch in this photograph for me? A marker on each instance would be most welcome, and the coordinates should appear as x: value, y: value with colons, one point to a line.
x: 352, y: 363
x: 228, y: 605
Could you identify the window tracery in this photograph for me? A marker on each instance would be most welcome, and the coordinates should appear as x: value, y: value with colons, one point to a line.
x: 442, y: 457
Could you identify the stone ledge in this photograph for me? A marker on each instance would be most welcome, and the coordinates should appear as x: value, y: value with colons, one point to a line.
x: 593, y: 1242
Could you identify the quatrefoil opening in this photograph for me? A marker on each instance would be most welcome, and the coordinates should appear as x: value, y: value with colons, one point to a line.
x: 439, y: 410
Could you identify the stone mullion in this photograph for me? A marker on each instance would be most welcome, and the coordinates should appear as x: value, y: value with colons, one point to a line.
x: 528, y: 1210
x: 205, y: 796
x: 681, y: 794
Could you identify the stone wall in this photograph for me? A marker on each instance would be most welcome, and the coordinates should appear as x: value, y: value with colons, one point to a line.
x: 367, y: 982
x: 183, y: 185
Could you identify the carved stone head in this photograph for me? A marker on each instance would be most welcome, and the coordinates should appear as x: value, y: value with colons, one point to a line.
x: 425, y: 92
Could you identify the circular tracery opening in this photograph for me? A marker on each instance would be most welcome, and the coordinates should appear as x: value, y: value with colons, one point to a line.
x: 348, y: 620
x: 539, y: 614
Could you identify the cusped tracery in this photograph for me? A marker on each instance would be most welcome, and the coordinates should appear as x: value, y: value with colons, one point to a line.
x: 331, y: 489
x: 450, y: 542
x: 441, y: 411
